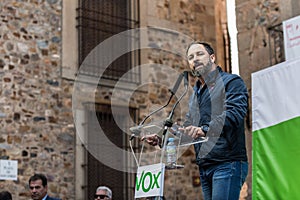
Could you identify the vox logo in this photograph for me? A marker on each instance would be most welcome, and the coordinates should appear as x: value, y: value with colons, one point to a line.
x: 148, y: 181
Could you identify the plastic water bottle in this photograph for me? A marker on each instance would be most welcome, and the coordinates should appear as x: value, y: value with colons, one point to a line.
x: 171, y: 153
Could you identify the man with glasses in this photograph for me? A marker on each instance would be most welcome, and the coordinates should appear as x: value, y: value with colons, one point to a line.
x: 103, y: 192
x: 38, y: 187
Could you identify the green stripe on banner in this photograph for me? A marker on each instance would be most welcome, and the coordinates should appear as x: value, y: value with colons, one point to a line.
x: 276, y: 161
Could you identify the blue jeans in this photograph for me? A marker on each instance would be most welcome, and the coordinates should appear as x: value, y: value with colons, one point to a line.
x: 223, y: 181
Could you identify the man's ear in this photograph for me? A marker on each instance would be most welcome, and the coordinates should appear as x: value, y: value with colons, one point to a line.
x: 213, y: 57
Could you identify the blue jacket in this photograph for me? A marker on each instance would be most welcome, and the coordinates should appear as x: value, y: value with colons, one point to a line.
x: 51, y: 198
x: 221, y: 104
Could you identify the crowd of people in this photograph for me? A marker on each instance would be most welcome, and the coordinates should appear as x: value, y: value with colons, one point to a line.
x: 38, y: 187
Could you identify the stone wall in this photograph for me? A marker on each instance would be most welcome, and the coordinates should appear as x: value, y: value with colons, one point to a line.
x: 253, y: 19
x: 36, y: 125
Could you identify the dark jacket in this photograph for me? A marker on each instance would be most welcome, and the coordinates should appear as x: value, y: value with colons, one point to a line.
x: 221, y: 104
x: 51, y: 198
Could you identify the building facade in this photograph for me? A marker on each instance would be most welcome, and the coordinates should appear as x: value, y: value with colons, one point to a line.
x: 60, y: 82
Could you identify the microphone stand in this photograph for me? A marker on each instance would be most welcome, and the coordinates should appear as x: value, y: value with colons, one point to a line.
x: 169, y: 121
x: 136, y: 130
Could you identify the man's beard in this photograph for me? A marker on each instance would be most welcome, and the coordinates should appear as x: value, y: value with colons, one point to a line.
x: 204, y: 70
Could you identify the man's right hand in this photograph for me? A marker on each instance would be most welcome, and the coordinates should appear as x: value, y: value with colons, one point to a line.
x: 152, y: 139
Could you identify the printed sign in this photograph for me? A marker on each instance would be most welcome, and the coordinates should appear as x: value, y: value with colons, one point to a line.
x: 291, y: 33
x: 150, y: 181
x: 8, y: 169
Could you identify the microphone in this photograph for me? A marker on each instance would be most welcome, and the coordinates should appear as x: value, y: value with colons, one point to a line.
x: 169, y: 121
x: 136, y: 130
x: 186, y: 78
x: 176, y: 85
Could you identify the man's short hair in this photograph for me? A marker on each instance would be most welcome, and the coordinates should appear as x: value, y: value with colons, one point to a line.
x: 5, y: 195
x: 207, y: 46
x: 109, y: 193
x: 36, y: 177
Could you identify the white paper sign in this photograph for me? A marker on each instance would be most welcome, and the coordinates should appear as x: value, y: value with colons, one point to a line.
x: 150, y: 181
x: 291, y: 33
x: 8, y: 169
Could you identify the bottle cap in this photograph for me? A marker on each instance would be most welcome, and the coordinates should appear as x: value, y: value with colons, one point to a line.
x: 171, y: 139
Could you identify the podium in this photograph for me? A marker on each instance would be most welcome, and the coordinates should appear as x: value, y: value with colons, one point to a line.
x: 152, y: 164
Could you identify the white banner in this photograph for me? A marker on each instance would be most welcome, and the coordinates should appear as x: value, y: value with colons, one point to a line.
x: 280, y: 85
x: 291, y: 34
x: 150, y: 181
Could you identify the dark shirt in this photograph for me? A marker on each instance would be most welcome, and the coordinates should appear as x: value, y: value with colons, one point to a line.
x: 221, y: 103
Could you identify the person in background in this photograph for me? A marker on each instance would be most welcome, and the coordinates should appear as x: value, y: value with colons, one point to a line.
x: 5, y: 195
x: 103, y: 192
x: 217, y: 110
x: 38, y: 187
